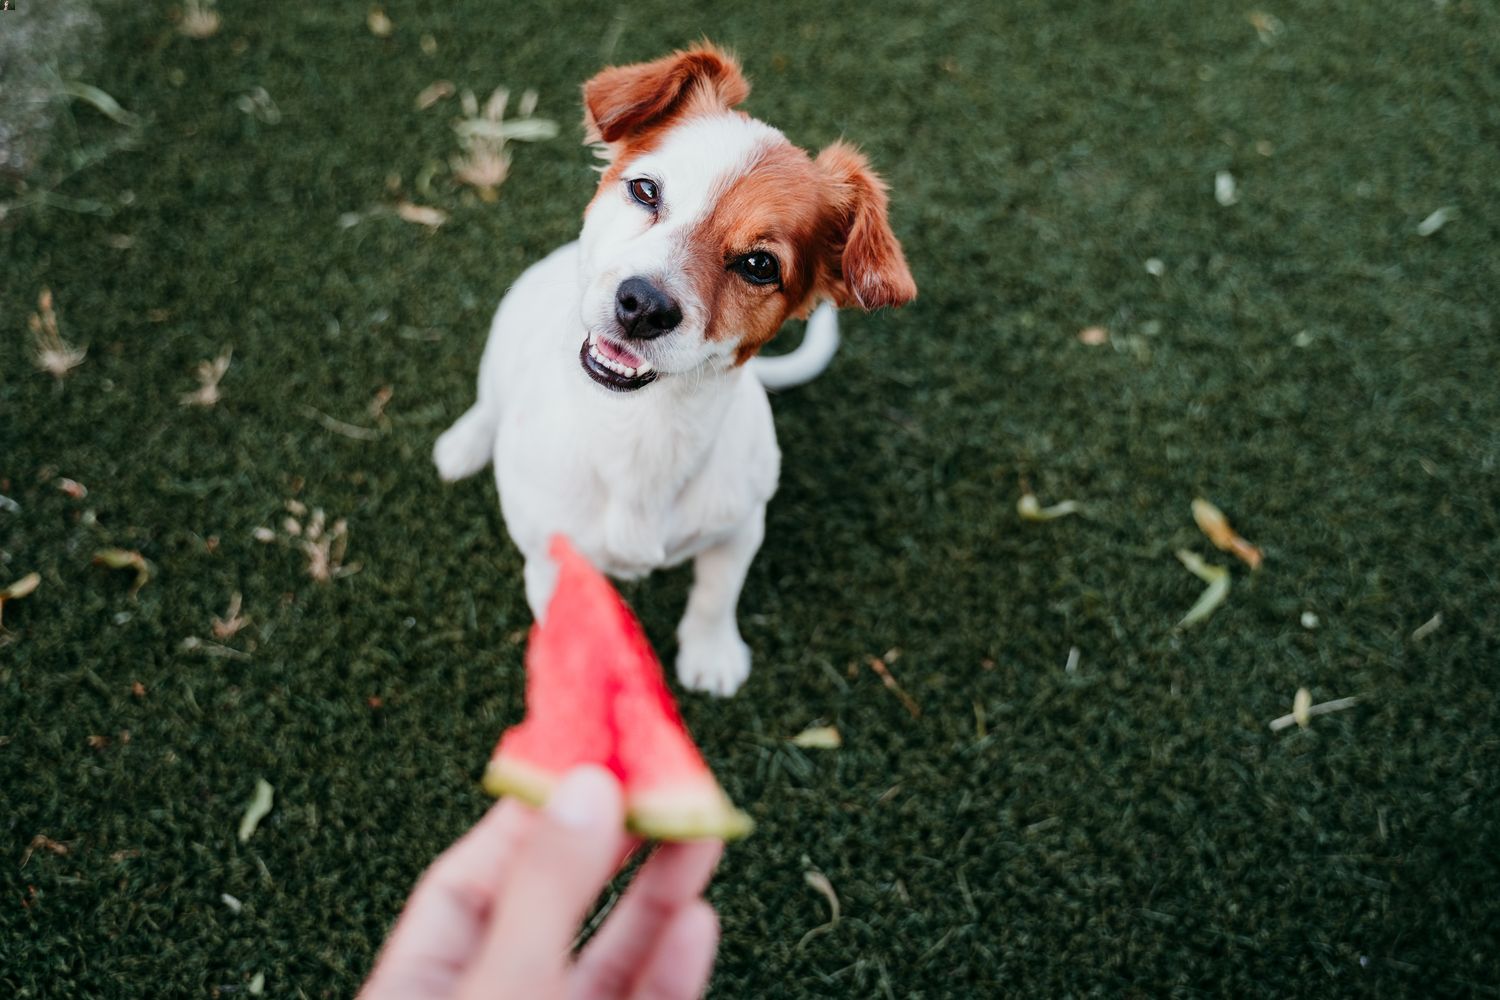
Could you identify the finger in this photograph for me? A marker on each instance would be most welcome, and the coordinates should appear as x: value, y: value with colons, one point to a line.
x: 684, y: 957
x: 569, y: 855
x: 672, y: 877
x: 444, y: 920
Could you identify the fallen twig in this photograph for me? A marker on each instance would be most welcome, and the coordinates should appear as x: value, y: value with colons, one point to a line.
x: 1302, y: 711
x: 819, y: 881
x: 1217, y: 578
x: 193, y: 644
x: 340, y: 427
x: 884, y: 673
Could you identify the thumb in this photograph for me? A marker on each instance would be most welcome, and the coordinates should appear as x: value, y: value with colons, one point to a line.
x: 572, y: 851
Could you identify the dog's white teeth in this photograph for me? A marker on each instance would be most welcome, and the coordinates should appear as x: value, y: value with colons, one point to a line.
x: 618, y: 368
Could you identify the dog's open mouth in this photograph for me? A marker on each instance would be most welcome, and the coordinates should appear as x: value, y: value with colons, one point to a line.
x: 615, y: 367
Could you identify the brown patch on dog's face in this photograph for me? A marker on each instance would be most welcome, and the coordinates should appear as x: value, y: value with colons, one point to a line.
x: 772, y: 213
x: 825, y: 224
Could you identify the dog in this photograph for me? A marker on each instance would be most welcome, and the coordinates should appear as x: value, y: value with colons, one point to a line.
x: 620, y: 397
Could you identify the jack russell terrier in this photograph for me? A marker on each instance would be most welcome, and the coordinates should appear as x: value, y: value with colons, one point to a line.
x: 618, y: 398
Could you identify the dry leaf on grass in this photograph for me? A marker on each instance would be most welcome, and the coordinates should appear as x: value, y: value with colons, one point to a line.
x: 1217, y: 578
x: 380, y: 402
x: 1267, y: 26
x: 209, y: 375
x: 1423, y: 630
x: 485, y: 134
x: 1437, y: 220
x: 260, y: 105
x: 259, y: 806
x: 819, y: 738
x: 198, y: 19
x: 422, y: 215
x: 379, y: 24
x: 1215, y: 525
x: 1031, y: 509
x: 324, y: 545
x: 1226, y: 191
x: 49, y: 351
x: 434, y: 92
x: 232, y: 622
x: 126, y: 559
x: 42, y: 842
x: 17, y: 590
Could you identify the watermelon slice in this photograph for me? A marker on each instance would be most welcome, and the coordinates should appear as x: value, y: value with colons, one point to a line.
x: 595, y: 694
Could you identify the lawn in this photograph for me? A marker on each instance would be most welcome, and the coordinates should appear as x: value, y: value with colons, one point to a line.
x: 1299, y: 341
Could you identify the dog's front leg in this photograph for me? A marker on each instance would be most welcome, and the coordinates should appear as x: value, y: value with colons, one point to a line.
x: 711, y: 656
x: 541, y: 580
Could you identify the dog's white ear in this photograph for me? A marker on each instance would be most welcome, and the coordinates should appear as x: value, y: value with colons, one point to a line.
x: 867, y: 267
x: 625, y: 100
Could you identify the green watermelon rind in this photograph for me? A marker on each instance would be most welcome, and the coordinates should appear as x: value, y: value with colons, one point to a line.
x: 703, y: 812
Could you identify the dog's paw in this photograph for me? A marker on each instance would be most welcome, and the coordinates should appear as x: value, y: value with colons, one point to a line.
x: 714, y: 662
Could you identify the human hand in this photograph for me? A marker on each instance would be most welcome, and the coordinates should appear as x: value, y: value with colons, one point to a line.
x: 497, y: 914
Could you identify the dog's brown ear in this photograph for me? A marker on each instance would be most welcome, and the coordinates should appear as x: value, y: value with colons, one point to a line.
x: 867, y: 268
x: 622, y: 100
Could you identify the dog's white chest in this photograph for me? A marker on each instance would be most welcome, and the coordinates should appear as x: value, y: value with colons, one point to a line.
x: 638, y: 482
x: 633, y: 496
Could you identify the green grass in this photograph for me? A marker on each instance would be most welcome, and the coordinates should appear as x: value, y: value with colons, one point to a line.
x: 1132, y: 828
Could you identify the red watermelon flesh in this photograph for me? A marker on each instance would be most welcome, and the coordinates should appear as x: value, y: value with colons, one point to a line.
x: 595, y: 694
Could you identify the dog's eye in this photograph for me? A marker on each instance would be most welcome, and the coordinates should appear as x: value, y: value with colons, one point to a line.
x: 759, y: 268
x: 646, y: 192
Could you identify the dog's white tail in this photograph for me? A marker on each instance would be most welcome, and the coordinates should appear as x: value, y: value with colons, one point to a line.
x: 819, y: 344
x: 468, y: 445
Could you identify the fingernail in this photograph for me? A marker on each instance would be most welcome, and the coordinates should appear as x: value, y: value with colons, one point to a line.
x: 584, y: 798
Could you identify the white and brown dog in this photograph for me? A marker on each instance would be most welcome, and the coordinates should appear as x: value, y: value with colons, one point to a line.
x: 618, y: 398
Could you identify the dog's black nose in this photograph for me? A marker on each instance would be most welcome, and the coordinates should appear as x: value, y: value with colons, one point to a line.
x: 645, y: 311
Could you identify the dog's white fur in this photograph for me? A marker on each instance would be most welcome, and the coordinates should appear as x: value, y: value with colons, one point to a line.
x: 683, y: 467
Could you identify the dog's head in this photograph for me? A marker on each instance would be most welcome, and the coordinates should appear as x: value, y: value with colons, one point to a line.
x: 709, y: 228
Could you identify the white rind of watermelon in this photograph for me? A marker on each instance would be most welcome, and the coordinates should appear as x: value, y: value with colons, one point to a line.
x: 595, y: 694
x: 688, y: 810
